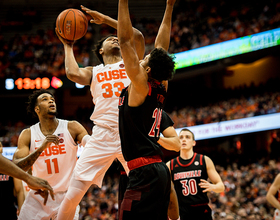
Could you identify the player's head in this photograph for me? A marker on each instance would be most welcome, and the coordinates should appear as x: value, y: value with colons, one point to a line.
x: 186, y: 138
x: 100, y: 47
x: 161, y: 64
x: 41, y: 101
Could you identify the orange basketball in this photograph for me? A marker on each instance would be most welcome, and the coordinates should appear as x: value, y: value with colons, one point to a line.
x: 71, y: 24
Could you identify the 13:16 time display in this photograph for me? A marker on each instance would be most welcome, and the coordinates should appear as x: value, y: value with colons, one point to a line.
x: 38, y: 83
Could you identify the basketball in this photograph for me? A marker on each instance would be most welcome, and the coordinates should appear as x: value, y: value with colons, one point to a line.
x: 71, y: 24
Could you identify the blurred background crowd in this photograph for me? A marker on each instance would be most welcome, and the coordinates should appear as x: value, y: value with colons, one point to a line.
x: 29, y: 52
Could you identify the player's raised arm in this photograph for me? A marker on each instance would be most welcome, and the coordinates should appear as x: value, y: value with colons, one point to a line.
x: 73, y: 72
x: 134, y: 69
x: 163, y: 36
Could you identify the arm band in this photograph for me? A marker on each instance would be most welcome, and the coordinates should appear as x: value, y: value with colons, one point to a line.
x: 85, y: 140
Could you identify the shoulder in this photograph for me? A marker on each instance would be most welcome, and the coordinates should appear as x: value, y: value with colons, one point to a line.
x: 208, y: 161
x: 95, y: 68
x: 26, y: 132
x: 73, y: 124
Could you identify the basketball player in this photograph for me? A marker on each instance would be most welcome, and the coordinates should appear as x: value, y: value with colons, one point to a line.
x: 166, y: 127
x: 106, y: 83
x: 273, y: 197
x: 50, y: 147
x: 189, y: 173
x: 11, y: 190
x: 140, y: 114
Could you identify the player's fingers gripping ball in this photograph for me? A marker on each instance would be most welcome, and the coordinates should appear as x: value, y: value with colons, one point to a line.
x: 71, y: 24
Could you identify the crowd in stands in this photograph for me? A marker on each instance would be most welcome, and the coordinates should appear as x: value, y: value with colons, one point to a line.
x: 201, y: 23
x: 195, y: 24
x: 242, y: 102
x: 38, y: 55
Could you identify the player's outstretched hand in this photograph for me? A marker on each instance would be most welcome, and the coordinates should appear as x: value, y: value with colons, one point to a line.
x: 206, y: 185
x: 97, y: 17
x: 41, y: 186
x: 44, y: 194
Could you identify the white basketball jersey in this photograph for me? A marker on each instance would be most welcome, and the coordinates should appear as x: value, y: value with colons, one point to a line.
x: 56, y: 163
x: 106, y: 86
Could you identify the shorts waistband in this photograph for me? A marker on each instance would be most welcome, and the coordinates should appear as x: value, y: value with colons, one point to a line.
x: 142, y: 161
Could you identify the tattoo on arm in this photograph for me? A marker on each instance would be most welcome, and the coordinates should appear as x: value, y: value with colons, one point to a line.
x: 27, y: 162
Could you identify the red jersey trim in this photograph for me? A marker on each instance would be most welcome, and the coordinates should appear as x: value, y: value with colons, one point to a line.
x: 201, y: 159
x: 142, y: 161
x: 185, y: 165
x: 123, y: 172
x: 150, y: 89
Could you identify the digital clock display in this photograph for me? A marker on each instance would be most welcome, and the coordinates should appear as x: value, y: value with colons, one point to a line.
x: 37, y: 83
x: 28, y: 83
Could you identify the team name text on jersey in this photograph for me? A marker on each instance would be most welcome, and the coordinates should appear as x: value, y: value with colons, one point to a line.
x: 53, y: 150
x: 183, y: 175
x: 108, y: 76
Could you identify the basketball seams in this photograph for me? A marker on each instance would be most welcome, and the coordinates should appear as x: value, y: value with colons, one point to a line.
x: 75, y: 28
x: 70, y: 23
x: 85, y: 21
x: 63, y: 23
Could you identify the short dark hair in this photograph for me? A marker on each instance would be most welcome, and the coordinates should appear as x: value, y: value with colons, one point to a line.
x: 162, y: 64
x: 98, y: 46
x: 185, y: 129
x: 32, y: 100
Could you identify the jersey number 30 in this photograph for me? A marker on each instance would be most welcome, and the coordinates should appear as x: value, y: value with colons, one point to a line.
x: 189, y: 188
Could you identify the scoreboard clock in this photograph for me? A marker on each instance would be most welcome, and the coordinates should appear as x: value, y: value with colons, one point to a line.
x: 28, y: 83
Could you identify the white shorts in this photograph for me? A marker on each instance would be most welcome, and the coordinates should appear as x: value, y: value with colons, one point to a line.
x: 103, y: 147
x: 276, y: 214
x: 33, y: 207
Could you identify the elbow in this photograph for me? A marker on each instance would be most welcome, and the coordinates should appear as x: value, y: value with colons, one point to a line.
x: 178, y: 146
x: 222, y: 189
x: 139, y: 36
x: 124, y: 42
x: 70, y: 74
